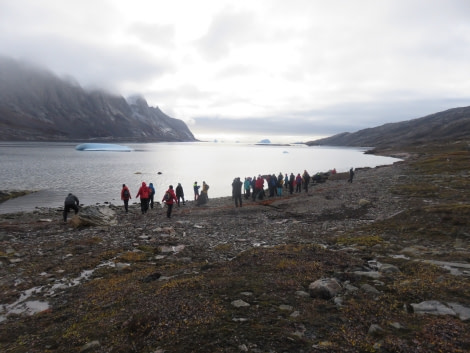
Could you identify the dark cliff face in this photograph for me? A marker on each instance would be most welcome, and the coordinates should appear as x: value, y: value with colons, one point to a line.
x: 449, y: 125
x: 36, y: 105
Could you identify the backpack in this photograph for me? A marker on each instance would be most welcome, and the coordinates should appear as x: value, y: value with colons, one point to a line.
x: 167, y: 196
x: 126, y: 194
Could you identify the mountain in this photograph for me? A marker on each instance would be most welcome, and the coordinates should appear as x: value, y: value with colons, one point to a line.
x: 452, y: 124
x: 36, y: 105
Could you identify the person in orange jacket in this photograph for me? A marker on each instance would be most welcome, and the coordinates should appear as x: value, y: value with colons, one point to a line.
x: 144, y: 193
x: 125, y: 196
x: 169, y: 198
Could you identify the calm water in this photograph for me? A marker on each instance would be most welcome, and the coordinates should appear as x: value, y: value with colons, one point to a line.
x: 55, y: 169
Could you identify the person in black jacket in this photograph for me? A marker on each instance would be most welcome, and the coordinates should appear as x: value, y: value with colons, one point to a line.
x: 351, y: 175
x: 180, y: 194
x: 237, y: 191
x: 71, y: 202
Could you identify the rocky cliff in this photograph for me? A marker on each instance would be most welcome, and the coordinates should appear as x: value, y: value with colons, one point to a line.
x: 449, y: 125
x: 36, y: 105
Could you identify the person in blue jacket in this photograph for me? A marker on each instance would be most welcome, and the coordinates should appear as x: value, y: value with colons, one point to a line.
x: 151, y: 194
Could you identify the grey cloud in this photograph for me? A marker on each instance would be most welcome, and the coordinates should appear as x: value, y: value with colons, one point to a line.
x: 227, y: 30
x: 111, y: 67
x: 154, y: 34
x: 332, y: 120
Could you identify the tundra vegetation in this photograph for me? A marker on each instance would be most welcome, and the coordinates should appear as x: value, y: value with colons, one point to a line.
x: 227, y: 293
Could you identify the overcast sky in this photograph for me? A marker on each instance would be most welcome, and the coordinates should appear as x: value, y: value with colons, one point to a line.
x: 298, y: 68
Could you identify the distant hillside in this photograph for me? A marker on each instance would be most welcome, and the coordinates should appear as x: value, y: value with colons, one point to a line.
x: 452, y: 124
x: 36, y: 105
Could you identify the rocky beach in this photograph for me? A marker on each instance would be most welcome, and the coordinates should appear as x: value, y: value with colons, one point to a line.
x: 378, y: 265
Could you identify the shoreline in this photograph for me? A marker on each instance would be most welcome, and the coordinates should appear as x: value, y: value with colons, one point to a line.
x: 226, y: 277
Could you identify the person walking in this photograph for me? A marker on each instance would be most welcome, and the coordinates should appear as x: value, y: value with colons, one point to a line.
x: 280, y: 182
x: 247, y: 186
x: 144, y: 193
x: 237, y: 191
x: 205, y: 189
x: 151, y: 194
x: 351, y: 175
x: 125, y: 196
x: 71, y: 203
x: 298, y: 183
x: 196, y: 190
x: 291, y: 183
x: 180, y: 194
x: 169, y: 198
x: 306, y: 180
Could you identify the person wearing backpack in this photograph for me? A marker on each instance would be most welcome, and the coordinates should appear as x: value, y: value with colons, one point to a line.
x: 125, y: 196
x: 169, y: 198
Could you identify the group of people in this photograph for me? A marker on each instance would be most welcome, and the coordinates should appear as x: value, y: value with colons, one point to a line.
x: 252, y: 187
x: 255, y: 187
x: 201, y: 198
x: 146, y: 194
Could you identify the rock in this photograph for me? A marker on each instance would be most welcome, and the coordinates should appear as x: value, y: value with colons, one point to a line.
x: 302, y: 293
x: 326, y: 288
x: 370, y: 274
x: 285, y: 307
x: 462, y: 312
x: 240, y: 303
x: 388, y: 268
x: 433, y: 307
x: 153, y: 277
x: 369, y: 289
x: 363, y: 202
x: 90, y: 346
x: 375, y: 330
x: 94, y: 216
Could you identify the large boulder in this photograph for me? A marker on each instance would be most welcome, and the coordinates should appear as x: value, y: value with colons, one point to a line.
x: 325, y: 288
x: 93, y: 216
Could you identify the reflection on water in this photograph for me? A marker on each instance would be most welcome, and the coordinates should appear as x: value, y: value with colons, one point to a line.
x: 55, y: 169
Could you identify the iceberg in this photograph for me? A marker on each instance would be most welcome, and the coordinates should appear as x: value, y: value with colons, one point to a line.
x: 102, y: 147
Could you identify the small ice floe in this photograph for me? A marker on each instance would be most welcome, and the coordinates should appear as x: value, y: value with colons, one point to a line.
x: 102, y: 147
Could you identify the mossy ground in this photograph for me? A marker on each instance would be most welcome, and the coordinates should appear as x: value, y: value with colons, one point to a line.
x: 192, y: 311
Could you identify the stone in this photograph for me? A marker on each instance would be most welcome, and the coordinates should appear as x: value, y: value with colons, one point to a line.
x: 93, y: 216
x: 89, y: 346
x: 240, y: 303
x: 433, y: 307
x: 388, y: 268
x: 461, y: 311
x: 325, y: 288
x: 369, y: 289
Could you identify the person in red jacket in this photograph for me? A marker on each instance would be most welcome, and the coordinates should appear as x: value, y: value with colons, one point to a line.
x: 169, y: 198
x: 125, y: 196
x: 144, y: 193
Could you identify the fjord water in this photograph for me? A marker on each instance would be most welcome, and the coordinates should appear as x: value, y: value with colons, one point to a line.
x: 96, y: 177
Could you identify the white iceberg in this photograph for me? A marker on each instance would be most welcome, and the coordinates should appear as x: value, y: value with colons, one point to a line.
x: 102, y: 147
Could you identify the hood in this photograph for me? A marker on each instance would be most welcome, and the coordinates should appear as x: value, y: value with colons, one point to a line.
x: 143, y: 183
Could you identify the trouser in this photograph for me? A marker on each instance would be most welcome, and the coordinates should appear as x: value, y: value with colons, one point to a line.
x: 169, y: 209
x: 238, y: 200
x: 247, y: 193
x: 67, y: 208
x: 144, y: 205
x: 151, y: 201
x: 180, y: 197
x: 126, y: 205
